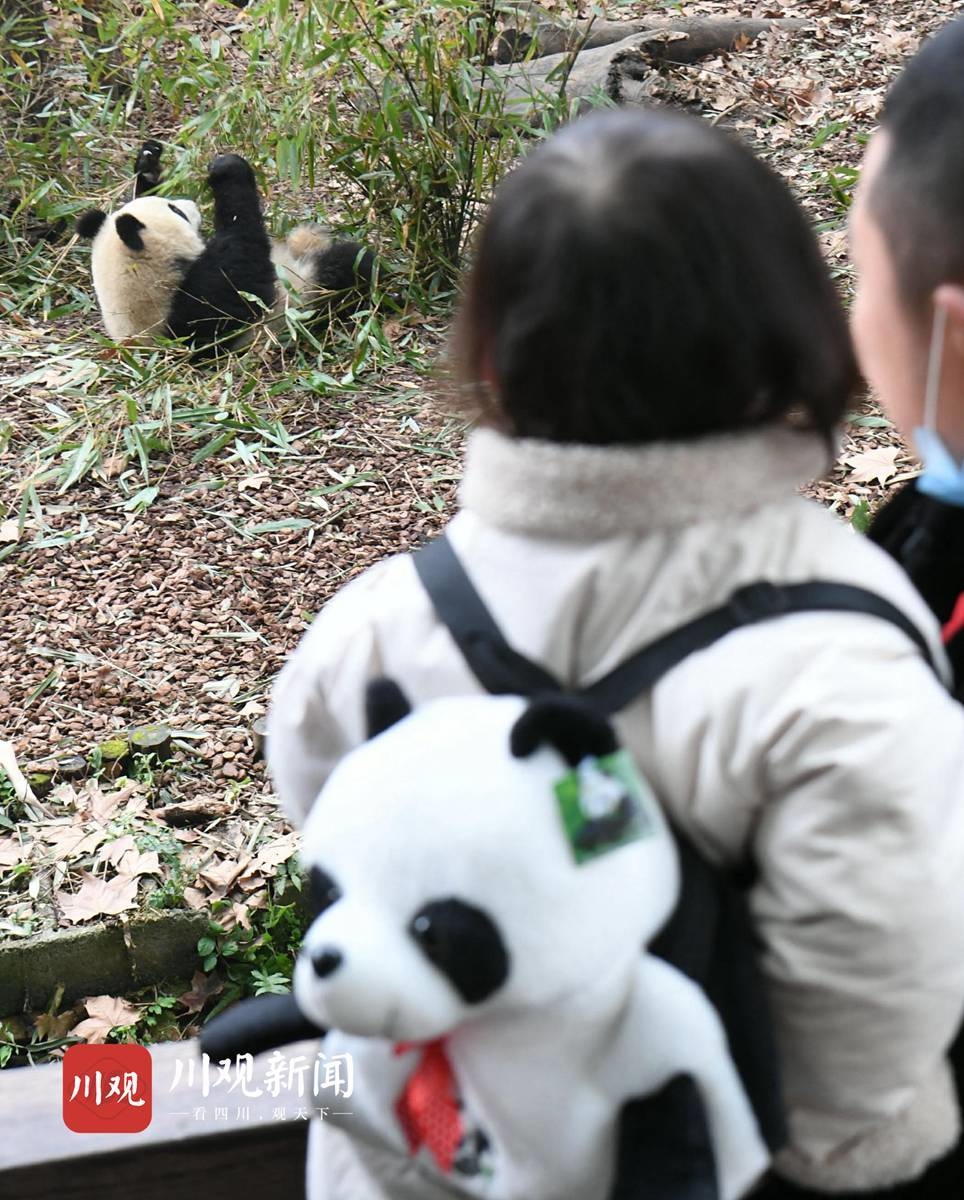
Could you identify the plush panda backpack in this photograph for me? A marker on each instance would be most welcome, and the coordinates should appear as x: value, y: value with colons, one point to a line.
x: 545, y: 994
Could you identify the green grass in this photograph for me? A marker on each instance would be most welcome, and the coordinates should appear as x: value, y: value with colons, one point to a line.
x: 371, y: 113
x: 381, y: 102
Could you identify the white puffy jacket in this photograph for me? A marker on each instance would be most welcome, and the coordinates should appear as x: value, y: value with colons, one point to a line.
x: 820, y: 743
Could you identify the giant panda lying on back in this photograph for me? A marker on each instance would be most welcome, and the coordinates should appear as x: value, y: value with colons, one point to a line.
x: 154, y: 273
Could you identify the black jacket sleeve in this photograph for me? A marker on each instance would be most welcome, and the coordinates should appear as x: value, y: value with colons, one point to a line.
x: 926, y: 536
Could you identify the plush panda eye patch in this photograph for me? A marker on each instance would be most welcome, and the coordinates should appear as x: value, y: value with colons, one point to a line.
x: 464, y: 944
x: 322, y: 890
x: 183, y: 215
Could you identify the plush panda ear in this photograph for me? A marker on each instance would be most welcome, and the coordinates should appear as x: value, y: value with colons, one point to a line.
x: 129, y: 231
x: 566, y: 723
x: 89, y: 223
x: 385, y: 705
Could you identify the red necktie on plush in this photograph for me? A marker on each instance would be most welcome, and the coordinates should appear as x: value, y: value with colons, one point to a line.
x: 427, y: 1107
x: 956, y: 622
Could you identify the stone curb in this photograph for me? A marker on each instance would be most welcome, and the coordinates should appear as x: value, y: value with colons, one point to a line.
x: 99, y: 959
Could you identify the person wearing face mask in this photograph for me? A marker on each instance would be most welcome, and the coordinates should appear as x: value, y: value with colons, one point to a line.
x: 907, y: 237
x: 907, y: 321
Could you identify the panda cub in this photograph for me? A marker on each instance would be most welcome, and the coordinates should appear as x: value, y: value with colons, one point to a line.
x: 155, y: 274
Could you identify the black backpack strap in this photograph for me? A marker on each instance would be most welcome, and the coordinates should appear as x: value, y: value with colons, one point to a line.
x: 747, y: 606
x: 504, y: 671
x: 500, y: 669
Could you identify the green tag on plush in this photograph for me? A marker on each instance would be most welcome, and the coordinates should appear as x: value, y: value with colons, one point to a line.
x: 604, y: 804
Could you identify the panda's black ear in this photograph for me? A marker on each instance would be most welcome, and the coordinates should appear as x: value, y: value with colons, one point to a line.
x: 566, y: 723
x: 89, y: 223
x: 129, y: 231
x: 385, y: 705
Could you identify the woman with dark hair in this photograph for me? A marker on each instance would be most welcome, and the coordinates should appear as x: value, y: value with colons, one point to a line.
x: 656, y: 359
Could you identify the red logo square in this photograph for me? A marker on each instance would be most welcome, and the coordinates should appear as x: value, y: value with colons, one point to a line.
x: 107, y: 1089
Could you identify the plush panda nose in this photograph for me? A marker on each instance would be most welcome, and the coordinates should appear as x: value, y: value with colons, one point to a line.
x: 326, y: 961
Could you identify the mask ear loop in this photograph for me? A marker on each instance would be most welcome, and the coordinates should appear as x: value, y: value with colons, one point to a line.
x: 932, y: 389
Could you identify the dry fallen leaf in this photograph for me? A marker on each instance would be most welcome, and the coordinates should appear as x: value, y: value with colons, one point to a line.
x: 223, y: 874
x: 128, y: 860
x: 869, y: 465
x: 195, y: 898
x: 106, y: 1013
x: 113, y: 466
x: 104, y: 805
x: 254, y: 482
x: 98, y: 898
x: 272, y: 854
x: 50, y: 1027
x: 136, y: 862
x: 72, y: 841
x: 12, y: 852
x: 114, y: 851
x: 222, y: 689
x: 251, y: 881
x: 203, y: 987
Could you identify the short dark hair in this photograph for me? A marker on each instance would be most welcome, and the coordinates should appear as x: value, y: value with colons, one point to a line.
x: 918, y: 196
x: 642, y: 276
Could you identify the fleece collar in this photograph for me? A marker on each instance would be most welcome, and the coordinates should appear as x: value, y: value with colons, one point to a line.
x: 575, y: 491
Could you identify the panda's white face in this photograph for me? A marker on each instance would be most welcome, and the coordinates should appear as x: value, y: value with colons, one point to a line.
x: 140, y: 255
x: 448, y: 886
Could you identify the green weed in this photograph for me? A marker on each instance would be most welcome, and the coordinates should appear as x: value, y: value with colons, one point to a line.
x: 860, y: 517
x: 260, y: 960
x: 11, y: 806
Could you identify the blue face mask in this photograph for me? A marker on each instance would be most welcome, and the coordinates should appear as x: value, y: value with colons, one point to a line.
x: 943, y: 476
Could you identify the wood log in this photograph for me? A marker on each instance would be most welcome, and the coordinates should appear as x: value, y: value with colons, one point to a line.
x: 675, y: 40
x: 194, y: 812
x: 151, y: 739
x: 41, y: 782
x: 619, y: 72
x: 111, y: 758
x: 259, y: 735
x: 70, y: 767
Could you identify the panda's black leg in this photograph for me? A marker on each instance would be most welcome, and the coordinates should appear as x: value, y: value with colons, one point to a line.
x: 213, y: 304
x: 237, y: 205
x: 344, y: 273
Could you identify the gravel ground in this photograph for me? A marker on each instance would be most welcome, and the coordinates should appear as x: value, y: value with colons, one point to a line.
x: 183, y: 613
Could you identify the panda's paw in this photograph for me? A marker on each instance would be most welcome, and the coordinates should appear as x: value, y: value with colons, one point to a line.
x: 149, y: 157
x: 229, y: 168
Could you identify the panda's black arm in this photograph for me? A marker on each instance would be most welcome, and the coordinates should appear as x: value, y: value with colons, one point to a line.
x: 147, y: 168
x: 255, y: 1025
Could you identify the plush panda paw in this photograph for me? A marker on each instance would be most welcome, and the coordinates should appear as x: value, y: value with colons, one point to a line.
x: 229, y: 168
